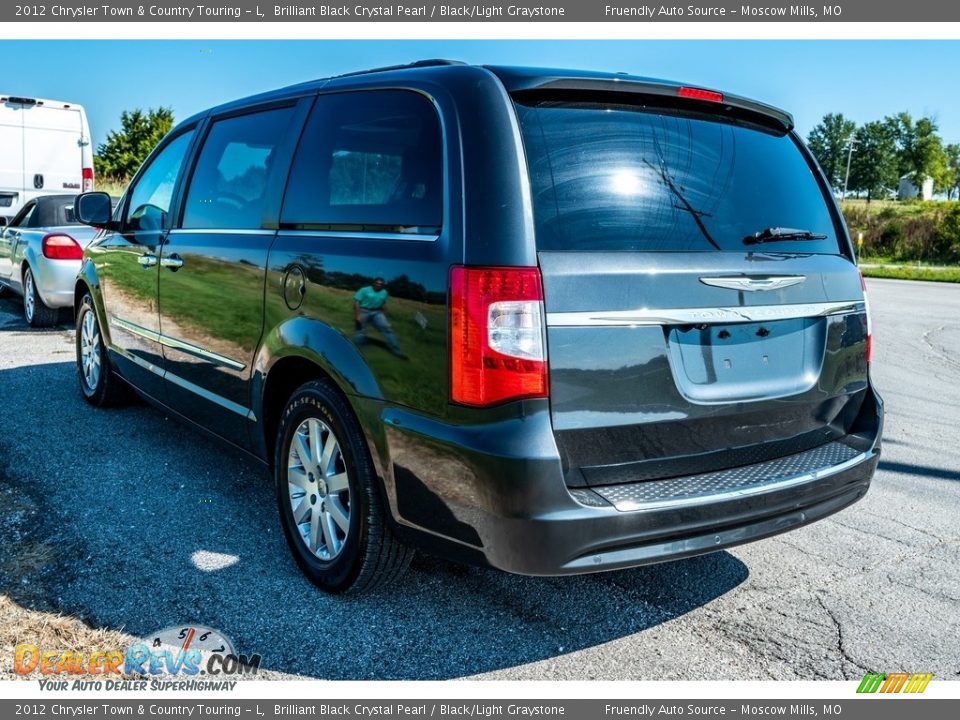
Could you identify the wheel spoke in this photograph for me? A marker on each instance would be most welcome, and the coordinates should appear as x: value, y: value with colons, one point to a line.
x: 339, y: 515
x: 316, y: 532
x: 337, y: 483
x: 315, y: 430
x: 330, y: 534
x: 330, y: 450
x: 303, y: 451
x: 302, y: 510
x: 298, y: 478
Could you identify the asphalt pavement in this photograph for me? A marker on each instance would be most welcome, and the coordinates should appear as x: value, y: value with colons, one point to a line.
x: 153, y: 525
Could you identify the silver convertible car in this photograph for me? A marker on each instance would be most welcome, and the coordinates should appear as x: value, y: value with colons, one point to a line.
x: 40, y: 253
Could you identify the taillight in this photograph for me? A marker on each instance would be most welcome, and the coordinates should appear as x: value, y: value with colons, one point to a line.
x: 88, y: 179
x: 497, y: 350
x: 866, y: 305
x: 61, y: 247
x: 700, y: 94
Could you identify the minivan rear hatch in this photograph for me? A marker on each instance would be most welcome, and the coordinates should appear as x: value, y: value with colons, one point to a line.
x: 702, y: 308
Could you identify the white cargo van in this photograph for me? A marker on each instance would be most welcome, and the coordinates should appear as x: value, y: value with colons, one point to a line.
x: 44, y: 150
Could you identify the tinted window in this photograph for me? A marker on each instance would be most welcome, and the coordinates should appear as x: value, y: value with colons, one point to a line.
x: 370, y: 160
x: 622, y: 178
x: 150, y: 198
x: 229, y: 184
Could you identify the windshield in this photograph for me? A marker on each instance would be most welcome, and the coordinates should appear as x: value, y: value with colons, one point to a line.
x: 612, y: 177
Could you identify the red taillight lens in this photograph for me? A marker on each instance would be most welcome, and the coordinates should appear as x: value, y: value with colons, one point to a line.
x: 61, y: 247
x: 700, y: 94
x: 497, y: 345
x: 87, y: 179
x: 866, y: 304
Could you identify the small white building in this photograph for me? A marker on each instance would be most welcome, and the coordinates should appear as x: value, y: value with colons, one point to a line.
x: 908, y: 190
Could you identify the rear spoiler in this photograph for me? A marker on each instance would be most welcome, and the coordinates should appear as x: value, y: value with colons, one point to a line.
x: 627, y: 85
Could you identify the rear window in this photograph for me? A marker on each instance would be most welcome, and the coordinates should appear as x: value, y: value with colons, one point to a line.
x: 52, y: 212
x: 610, y: 177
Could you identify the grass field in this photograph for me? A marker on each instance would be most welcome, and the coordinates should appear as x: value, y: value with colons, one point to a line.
x: 912, y: 272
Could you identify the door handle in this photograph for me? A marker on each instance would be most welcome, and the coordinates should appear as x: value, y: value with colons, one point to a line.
x: 147, y: 261
x: 174, y: 262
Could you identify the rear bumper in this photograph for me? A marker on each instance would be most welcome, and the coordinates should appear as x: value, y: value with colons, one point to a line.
x: 56, y: 280
x: 511, y: 509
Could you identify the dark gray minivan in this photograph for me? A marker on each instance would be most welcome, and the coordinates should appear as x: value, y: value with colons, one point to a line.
x: 548, y: 321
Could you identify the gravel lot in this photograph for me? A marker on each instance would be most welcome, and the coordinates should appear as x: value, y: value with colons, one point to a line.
x: 143, y: 524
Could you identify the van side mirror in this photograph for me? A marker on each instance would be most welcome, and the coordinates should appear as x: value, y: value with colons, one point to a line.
x: 94, y: 208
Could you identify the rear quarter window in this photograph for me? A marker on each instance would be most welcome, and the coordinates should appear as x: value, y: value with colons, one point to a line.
x: 618, y: 177
x: 368, y: 161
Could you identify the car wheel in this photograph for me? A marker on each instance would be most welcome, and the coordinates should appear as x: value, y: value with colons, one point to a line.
x: 35, y: 311
x: 100, y: 387
x: 327, y: 491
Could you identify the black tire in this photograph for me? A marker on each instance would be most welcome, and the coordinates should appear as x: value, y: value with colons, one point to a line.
x: 369, y: 555
x: 35, y: 311
x: 107, y: 389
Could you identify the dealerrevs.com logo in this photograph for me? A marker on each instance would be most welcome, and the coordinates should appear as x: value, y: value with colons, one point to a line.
x: 198, y: 657
x: 901, y: 682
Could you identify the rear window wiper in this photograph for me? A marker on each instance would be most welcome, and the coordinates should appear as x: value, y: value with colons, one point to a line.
x: 779, y: 234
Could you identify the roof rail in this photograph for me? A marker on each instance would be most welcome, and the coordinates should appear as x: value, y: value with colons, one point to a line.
x: 417, y: 64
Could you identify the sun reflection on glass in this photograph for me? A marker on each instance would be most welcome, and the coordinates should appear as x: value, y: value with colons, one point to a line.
x: 627, y: 182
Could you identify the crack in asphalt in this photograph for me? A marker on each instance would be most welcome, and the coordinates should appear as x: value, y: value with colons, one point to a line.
x: 938, y: 538
x: 841, y: 647
x: 935, y: 350
x: 873, y: 533
x: 924, y: 591
x: 756, y: 642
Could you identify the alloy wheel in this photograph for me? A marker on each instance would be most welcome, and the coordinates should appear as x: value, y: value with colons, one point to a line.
x: 29, y: 303
x: 90, y: 350
x: 319, y: 488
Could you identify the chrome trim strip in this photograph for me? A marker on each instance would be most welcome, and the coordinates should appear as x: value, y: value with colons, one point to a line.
x: 139, y: 361
x: 753, y: 284
x: 632, y: 506
x: 221, y: 231
x: 697, y: 316
x: 201, y: 353
x: 212, y: 397
x: 178, y: 345
x: 136, y: 329
x: 418, y: 237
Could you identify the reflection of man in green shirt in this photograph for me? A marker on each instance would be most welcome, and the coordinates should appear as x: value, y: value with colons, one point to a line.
x: 368, y: 308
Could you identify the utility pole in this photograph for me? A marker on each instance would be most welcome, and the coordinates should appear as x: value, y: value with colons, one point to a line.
x: 851, y: 141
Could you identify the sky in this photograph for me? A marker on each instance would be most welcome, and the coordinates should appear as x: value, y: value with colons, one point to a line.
x: 864, y: 80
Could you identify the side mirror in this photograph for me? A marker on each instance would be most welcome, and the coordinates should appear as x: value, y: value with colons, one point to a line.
x: 94, y: 208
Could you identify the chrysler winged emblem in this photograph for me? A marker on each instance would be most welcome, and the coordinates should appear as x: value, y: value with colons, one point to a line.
x: 752, y: 283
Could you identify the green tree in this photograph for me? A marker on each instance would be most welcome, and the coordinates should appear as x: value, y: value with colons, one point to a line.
x: 829, y: 142
x: 952, y: 153
x: 874, y: 165
x: 124, y: 151
x: 919, y: 148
